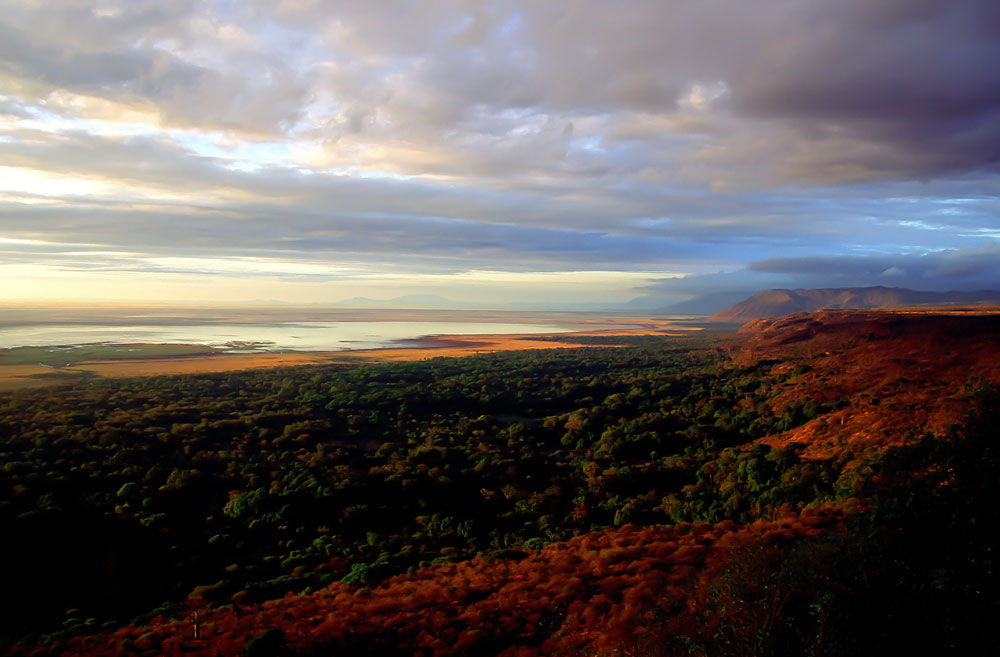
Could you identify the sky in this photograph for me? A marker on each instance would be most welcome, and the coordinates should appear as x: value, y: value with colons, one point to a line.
x: 550, y: 153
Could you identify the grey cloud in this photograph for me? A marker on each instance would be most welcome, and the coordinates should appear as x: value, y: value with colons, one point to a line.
x: 916, y: 60
x: 131, y: 57
x: 540, y: 135
x: 12, y: 108
x: 913, y: 78
x: 433, y: 245
x: 939, y: 271
x: 531, y: 226
x: 950, y: 269
x: 712, y: 283
x: 830, y: 93
x: 162, y: 164
x: 834, y: 92
x: 237, y: 212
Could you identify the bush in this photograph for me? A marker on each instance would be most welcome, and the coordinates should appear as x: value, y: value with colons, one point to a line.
x: 269, y: 644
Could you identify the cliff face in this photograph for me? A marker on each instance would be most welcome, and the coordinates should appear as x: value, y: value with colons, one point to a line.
x: 776, y: 303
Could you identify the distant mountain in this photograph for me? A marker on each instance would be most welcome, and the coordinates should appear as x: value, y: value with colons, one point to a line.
x: 703, y: 305
x: 436, y: 302
x: 775, y: 303
x: 406, y: 301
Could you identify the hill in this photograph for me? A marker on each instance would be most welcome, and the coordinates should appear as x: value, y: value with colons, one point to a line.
x: 778, y: 302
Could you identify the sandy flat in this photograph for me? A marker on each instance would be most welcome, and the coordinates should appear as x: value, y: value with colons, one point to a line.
x: 195, y: 364
x: 26, y: 376
x: 33, y: 376
x: 468, y: 345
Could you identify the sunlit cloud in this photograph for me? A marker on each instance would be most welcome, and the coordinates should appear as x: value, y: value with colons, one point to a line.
x: 523, y: 147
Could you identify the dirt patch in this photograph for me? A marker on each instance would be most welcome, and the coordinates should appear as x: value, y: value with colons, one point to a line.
x: 197, y: 364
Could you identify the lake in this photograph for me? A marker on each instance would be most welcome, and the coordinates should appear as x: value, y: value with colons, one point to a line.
x: 255, y: 337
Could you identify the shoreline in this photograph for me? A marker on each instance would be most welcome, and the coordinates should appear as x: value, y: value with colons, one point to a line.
x: 20, y: 376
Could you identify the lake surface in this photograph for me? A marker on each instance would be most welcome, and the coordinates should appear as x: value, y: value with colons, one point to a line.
x: 271, y: 336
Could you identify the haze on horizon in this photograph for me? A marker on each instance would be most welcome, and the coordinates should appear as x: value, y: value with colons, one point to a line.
x: 495, y: 152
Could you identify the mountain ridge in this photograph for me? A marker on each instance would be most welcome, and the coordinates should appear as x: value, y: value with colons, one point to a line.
x: 778, y: 302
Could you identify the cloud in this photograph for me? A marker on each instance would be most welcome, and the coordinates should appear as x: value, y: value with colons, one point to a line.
x: 151, y: 192
x: 941, y: 271
x: 685, y: 137
x: 735, y: 285
x: 841, y: 91
x: 145, y: 54
x: 950, y: 269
